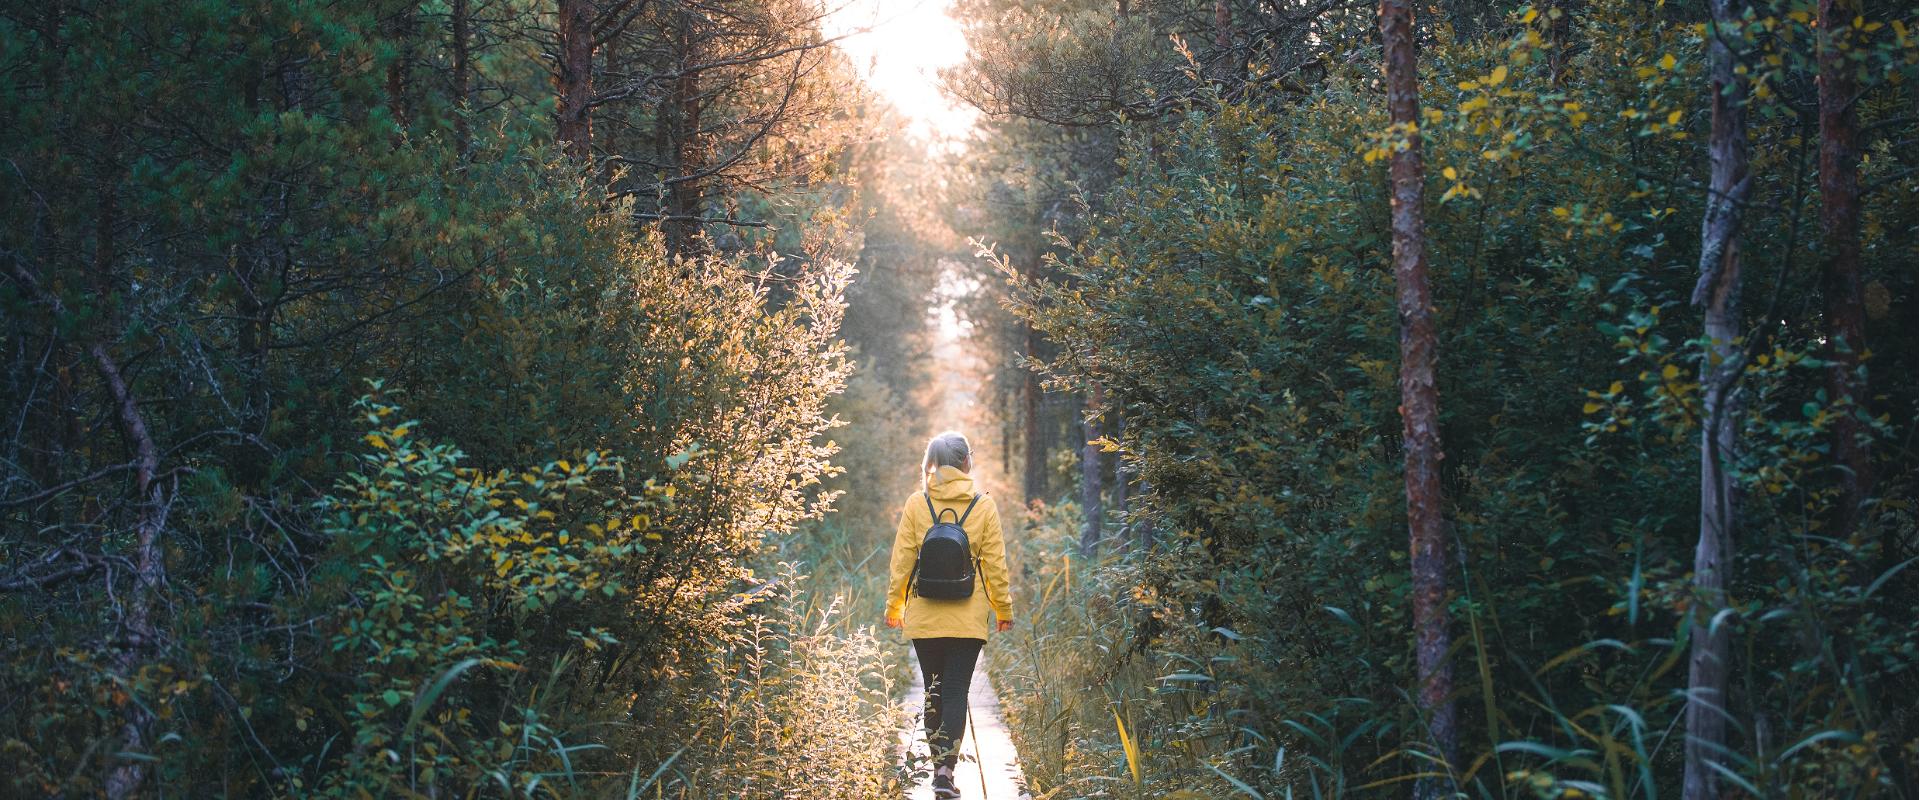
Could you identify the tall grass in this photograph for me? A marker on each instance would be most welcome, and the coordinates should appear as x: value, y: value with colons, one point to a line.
x: 1112, y: 692
x: 797, y: 700
x: 1093, y: 717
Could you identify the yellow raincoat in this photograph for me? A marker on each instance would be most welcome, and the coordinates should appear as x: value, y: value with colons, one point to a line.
x: 965, y: 619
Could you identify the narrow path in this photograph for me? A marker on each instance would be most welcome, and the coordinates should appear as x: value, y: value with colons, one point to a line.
x: 987, y: 758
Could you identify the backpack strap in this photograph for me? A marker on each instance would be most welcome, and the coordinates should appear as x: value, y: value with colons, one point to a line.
x: 936, y: 514
x: 976, y: 559
x: 976, y: 499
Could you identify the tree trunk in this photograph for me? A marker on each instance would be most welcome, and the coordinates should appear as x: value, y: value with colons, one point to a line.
x: 1005, y: 412
x: 137, y: 624
x: 1034, y: 476
x: 574, y: 114
x: 1718, y: 291
x: 139, y: 633
x: 1419, y: 398
x: 1840, y: 237
x: 1229, y: 69
x: 460, y: 20
x: 685, y: 188
x: 400, y: 30
x: 1090, y: 476
x: 1560, y: 40
x: 1222, y: 25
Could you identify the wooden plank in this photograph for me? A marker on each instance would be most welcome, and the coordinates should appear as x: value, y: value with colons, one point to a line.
x: 989, y: 767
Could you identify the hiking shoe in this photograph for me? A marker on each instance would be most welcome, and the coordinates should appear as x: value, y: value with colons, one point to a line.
x: 943, y: 787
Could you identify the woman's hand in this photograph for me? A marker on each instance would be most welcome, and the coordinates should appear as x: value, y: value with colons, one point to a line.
x: 1004, y: 626
x: 893, y: 622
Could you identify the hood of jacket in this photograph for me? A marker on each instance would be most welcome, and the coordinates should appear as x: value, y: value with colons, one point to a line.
x: 949, y: 483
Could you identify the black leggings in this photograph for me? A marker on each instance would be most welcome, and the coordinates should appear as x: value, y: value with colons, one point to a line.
x: 946, y: 666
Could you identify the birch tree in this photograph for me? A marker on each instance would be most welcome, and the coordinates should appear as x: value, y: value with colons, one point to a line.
x: 1718, y: 293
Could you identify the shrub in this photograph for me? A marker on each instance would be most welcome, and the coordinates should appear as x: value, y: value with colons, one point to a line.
x: 1230, y: 302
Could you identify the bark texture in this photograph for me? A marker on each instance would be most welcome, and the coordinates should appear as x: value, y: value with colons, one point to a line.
x: 686, y: 146
x: 1419, y: 397
x: 574, y: 114
x: 1034, y: 474
x: 1840, y: 276
x: 1718, y: 293
x: 1091, y: 477
x: 137, y: 625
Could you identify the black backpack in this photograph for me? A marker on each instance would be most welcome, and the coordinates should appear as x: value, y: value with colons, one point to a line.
x: 944, y: 568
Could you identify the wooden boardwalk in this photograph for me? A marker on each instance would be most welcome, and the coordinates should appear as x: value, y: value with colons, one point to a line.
x: 989, y: 768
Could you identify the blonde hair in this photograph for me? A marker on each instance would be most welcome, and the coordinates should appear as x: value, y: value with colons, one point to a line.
x: 948, y: 449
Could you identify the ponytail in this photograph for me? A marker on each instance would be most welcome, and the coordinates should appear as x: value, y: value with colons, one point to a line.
x: 949, y: 449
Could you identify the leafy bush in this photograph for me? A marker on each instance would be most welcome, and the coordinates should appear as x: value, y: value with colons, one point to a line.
x: 1230, y: 301
x: 466, y: 619
x: 468, y: 597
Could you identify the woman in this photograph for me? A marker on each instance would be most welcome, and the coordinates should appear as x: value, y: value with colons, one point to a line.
x: 948, y: 634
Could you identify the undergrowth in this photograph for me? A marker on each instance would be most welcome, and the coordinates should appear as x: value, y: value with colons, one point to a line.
x: 796, y: 702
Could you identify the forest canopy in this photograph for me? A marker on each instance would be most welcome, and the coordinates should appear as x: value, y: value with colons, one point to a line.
x: 515, y: 398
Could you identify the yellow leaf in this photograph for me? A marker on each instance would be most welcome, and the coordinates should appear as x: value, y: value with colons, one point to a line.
x: 1616, y: 387
x: 1669, y: 372
x: 1127, y: 746
x: 375, y: 440
x: 1667, y: 61
x: 1674, y: 118
x: 1591, y: 407
x: 1498, y: 77
x: 1450, y: 173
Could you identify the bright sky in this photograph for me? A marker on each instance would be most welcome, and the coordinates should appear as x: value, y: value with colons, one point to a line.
x: 901, y: 56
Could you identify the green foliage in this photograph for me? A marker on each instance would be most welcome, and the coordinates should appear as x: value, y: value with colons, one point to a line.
x: 465, y: 630
x: 458, y: 577
x: 254, y: 210
x: 1230, y: 296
